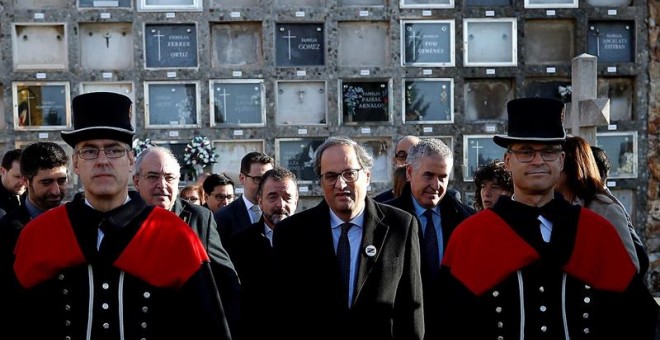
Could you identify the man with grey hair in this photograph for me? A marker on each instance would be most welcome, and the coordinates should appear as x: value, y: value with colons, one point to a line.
x: 428, y: 166
x: 156, y: 178
x: 349, y: 257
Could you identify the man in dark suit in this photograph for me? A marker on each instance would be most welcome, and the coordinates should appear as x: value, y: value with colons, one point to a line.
x: 348, y: 268
x: 428, y: 166
x: 252, y: 252
x: 12, y: 190
x: 156, y: 178
x: 44, y: 170
x: 244, y: 211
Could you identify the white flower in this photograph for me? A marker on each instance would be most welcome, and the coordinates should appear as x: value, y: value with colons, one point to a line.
x: 199, y: 151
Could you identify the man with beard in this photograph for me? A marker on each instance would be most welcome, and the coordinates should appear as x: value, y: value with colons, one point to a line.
x: 44, y: 170
x: 156, y: 177
x: 252, y: 253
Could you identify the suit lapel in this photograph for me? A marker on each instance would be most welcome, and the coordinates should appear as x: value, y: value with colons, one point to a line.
x: 374, y: 233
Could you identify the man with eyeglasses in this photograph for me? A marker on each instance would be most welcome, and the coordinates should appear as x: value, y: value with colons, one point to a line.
x: 218, y: 191
x: 351, y: 259
x: 156, y: 178
x: 400, y: 154
x: 535, y: 266
x: 428, y: 168
x: 107, y: 265
x: 245, y: 210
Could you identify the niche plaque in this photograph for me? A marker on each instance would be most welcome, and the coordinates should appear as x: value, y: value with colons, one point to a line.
x: 551, y: 3
x: 238, y: 102
x: 490, y: 42
x: 168, y: 5
x: 426, y: 3
x: 612, y: 42
x: 236, y: 45
x: 106, y: 46
x: 299, y: 45
x: 297, y: 155
x: 479, y: 150
x: 231, y: 153
x: 549, y: 41
x: 301, y: 103
x: 170, y: 45
x: 428, y: 100
x: 365, y: 101
x: 357, y: 37
x: 621, y: 150
x: 49, y: 39
x: 427, y: 42
x: 379, y: 148
x: 486, y: 99
x: 621, y: 92
x: 104, y: 3
x: 41, y: 106
x: 172, y: 104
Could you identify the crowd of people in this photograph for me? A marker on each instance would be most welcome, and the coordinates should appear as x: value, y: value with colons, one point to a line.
x: 545, y: 251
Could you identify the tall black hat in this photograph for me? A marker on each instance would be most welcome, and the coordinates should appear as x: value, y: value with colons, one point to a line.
x: 535, y: 120
x: 100, y: 115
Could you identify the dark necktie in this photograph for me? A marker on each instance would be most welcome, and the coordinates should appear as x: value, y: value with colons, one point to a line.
x: 431, y: 246
x: 344, y: 259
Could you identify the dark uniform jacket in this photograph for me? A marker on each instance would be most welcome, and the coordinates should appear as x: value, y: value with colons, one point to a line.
x: 9, y: 201
x: 232, y: 218
x: 452, y: 213
x: 252, y: 255
x: 201, y: 220
x: 500, y: 279
x: 387, y: 301
x: 151, y: 278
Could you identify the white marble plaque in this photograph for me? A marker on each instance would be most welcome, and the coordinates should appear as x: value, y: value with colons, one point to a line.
x: 40, y: 4
x: 348, y: 3
x: 621, y: 150
x: 490, y: 42
x: 549, y: 42
x: 551, y: 3
x: 106, y: 46
x: 238, y: 102
x: 168, y: 5
x: 49, y: 39
x: 104, y: 4
x: 478, y: 150
x: 357, y: 37
x: 238, y: 44
x: 310, y: 3
x: 301, y: 103
x: 41, y: 105
x: 123, y: 88
x: 231, y: 152
x: 426, y: 3
x: 172, y: 104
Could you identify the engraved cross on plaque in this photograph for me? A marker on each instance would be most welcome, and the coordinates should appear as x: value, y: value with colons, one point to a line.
x: 414, y: 37
x: 476, y: 148
x: 289, y: 37
x: 224, y: 95
x: 158, y: 36
x: 590, y: 111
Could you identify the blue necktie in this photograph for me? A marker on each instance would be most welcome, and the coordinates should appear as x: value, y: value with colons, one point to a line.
x: 344, y: 259
x: 431, y: 246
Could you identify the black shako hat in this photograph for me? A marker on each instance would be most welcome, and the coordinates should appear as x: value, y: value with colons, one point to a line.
x: 533, y: 120
x: 100, y: 115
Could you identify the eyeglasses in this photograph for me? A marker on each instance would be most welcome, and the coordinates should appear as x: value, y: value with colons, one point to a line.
x: 93, y: 153
x: 255, y: 179
x: 221, y: 197
x: 527, y: 155
x: 401, y: 155
x: 192, y: 199
x: 349, y: 176
x: 156, y: 178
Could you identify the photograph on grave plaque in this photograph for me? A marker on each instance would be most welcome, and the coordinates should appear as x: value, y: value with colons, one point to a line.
x: 551, y: 3
x: 171, y: 104
x: 427, y: 42
x: 49, y: 39
x: 621, y: 92
x: 612, y: 41
x: 123, y: 88
x: 426, y: 3
x: 621, y: 149
x: 549, y: 88
x: 549, y: 42
x: 238, y: 102
x: 177, y: 148
x: 301, y: 103
x: 41, y: 106
x: 486, y: 99
x: 72, y: 179
x: 490, y: 42
x: 236, y: 44
x: 472, y: 3
x: 357, y: 36
x: 104, y: 3
x: 627, y: 198
x: 297, y: 155
x: 299, y: 44
x: 106, y: 46
x: 428, y: 100
x: 168, y: 5
x: 365, y: 101
x: 478, y: 150
x: 170, y: 45
x: 379, y: 148
x: 231, y: 152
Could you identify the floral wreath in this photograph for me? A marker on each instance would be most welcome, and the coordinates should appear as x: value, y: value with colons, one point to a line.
x: 140, y: 145
x: 199, y: 152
